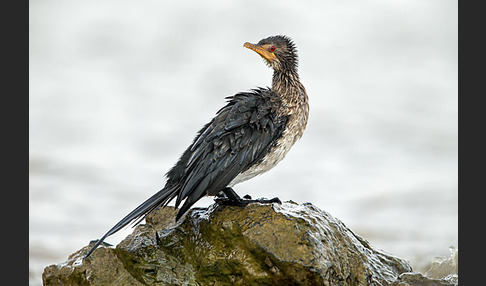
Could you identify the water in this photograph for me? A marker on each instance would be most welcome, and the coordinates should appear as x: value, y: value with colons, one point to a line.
x: 118, y: 89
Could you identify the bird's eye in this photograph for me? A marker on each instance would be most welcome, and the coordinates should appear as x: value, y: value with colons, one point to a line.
x: 272, y: 48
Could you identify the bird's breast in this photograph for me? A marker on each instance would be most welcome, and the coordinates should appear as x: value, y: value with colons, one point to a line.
x: 297, y: 121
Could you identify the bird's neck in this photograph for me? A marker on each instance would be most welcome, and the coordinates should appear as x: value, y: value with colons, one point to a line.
x: 287, y: 84
x: 295, y: 104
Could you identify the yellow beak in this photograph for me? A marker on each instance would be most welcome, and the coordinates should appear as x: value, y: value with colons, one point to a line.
x: 262, y: 50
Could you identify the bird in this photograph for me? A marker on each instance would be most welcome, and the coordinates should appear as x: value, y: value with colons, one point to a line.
x: 247, y: 137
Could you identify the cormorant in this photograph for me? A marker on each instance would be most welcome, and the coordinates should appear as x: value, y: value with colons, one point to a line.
x: 248, y: 136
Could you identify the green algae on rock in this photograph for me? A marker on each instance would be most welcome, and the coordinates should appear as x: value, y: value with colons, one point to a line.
x: 260, y: 244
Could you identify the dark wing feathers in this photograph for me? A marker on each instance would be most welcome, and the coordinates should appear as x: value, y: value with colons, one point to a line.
x: 239, y: 136
x: 241, y: 133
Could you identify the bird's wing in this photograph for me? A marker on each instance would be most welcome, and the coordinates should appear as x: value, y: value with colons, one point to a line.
x: 239, y: 136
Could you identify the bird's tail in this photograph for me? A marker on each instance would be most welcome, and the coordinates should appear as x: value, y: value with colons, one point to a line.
x: 161, y: 198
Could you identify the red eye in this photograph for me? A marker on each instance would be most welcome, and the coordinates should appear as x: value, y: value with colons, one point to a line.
x: 272, y: 48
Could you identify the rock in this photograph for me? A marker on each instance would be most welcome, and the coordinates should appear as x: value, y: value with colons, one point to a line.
x: 417, y: 279
x: 103, y: 269
x: 260, y: 244
x: 442, y: 267
x: 442, y: 272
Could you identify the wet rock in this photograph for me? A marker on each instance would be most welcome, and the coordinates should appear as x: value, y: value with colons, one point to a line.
x: 442, y: 272
x: 260, y: 244
x: 103, y: 269
x: 444, y: 267
x: 417, y: 279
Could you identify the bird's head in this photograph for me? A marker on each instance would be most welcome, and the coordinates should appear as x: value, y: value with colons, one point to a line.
x: 279, y: 52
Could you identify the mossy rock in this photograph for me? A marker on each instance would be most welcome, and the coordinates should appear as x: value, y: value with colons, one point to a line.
x: 260, y: 244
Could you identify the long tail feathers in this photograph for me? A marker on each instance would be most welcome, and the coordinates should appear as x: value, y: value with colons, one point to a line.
x: 161, y: 198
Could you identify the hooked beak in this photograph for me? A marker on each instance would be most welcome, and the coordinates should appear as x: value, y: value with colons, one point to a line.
x: 262, y: 50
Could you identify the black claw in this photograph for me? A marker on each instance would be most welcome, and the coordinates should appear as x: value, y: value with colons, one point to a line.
x: 266, y: 201
x: 229, y: 197
x: 220, y: 196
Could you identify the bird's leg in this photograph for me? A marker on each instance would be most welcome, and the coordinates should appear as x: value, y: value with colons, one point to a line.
x: 232, y: 199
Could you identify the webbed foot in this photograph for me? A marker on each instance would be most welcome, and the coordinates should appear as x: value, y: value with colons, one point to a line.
x: 229, y: 197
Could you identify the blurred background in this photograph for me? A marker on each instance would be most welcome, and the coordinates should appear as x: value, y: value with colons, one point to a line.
x: 118, y: 90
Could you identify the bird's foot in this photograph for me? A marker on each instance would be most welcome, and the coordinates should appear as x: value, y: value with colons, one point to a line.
x: 269, y: 201
x: 229, y: 197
